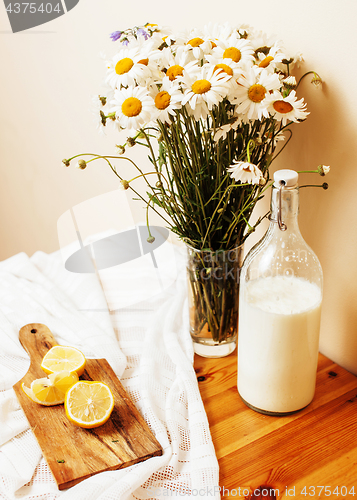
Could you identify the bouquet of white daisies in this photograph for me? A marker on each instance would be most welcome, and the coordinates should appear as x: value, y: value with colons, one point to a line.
x: 210, y: 106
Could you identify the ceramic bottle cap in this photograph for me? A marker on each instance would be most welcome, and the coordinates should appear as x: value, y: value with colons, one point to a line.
x: 289, y: 177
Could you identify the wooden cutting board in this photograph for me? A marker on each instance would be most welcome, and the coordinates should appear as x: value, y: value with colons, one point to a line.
x: 74, y: 453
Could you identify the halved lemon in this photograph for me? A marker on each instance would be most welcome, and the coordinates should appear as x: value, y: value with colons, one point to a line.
x: 89, y: 403
x: 51, y: 390
x: 60, y: 358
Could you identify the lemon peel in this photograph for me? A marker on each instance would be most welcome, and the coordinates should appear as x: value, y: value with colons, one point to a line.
x: 51, y: 390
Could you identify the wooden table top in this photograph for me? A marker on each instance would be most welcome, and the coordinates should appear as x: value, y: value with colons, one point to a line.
x: 310, y: 454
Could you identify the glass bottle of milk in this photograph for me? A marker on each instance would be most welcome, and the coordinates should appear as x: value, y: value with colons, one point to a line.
x: 279, y: 311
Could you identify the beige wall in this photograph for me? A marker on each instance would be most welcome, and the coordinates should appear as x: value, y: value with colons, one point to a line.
x: 49, y: 73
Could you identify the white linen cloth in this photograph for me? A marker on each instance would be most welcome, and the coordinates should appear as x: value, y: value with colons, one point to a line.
x: 149, y: 348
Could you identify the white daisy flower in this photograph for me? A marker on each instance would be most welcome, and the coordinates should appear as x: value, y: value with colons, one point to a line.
x: 253, y: 87
x: 214, y: 31
x: 167, y: 99
x: 175, y: 60
x: 221, y: 132
x: 161, y: 37
x: 293, y: 61
x: 225, y: 66
x: 244, y: 30
x: 206, y: 88
x: 260, y: 39
x: 246, y: 173
x: 239, y: 50
x: 133, y: 108
x: 270, y: 59
x: 148, y: 52
x: 128, y: 67
x: 298, y: 59
x: 195, y: 42
x: 269, y: 135
x: 286, y: 109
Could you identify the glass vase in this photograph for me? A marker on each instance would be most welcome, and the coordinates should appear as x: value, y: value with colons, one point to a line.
x: 213, y: 292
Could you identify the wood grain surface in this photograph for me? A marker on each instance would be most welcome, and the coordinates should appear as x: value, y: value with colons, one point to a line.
x: 74, y: 453
x: 310, y: 454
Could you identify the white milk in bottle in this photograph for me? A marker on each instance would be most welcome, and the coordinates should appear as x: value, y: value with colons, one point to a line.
x: 279, y: 326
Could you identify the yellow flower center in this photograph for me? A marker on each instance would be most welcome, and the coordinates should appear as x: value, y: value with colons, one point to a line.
x: 224, y: 69
x: 131, y: 106
x: 282, y: 107
x: 265, y: 62
x: 123, y: 66
x: 145, y: 62
x: 149, y: 25
x: 201, y: 86
x: 232, y: 53
x: 195, y: 42
x: 174, y: 71
x: 256, y: 92
x: 162, y: 100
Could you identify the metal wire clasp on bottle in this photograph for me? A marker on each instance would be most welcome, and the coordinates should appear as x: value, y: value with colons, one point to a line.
x: 281, y: 224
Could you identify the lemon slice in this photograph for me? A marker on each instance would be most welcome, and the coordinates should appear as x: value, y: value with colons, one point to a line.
x: 89, y: 404
x: 60, y: 358
x: 51, y: 390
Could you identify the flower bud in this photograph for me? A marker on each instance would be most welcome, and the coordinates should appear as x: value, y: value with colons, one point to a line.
x: 288, y: 61
x: 121, y: 149
x: 66, y: 162
x: 316, y: 80
x: 116, y: 35
x: 103, y: 100
x: 130, y: 142
x: 150, y: 239
x: 124, y: 185
x: 159, y: 184
x: 325, y: 185
x: 290, y: 82
x: 81, y: 164
x: 323, y: 169
x: 103, y: 118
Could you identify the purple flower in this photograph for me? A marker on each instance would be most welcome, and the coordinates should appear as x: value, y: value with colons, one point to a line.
x: 115, y: 35
x: 143, y: 33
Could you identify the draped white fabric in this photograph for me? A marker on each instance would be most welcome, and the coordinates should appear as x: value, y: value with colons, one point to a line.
x: 147, y: 343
